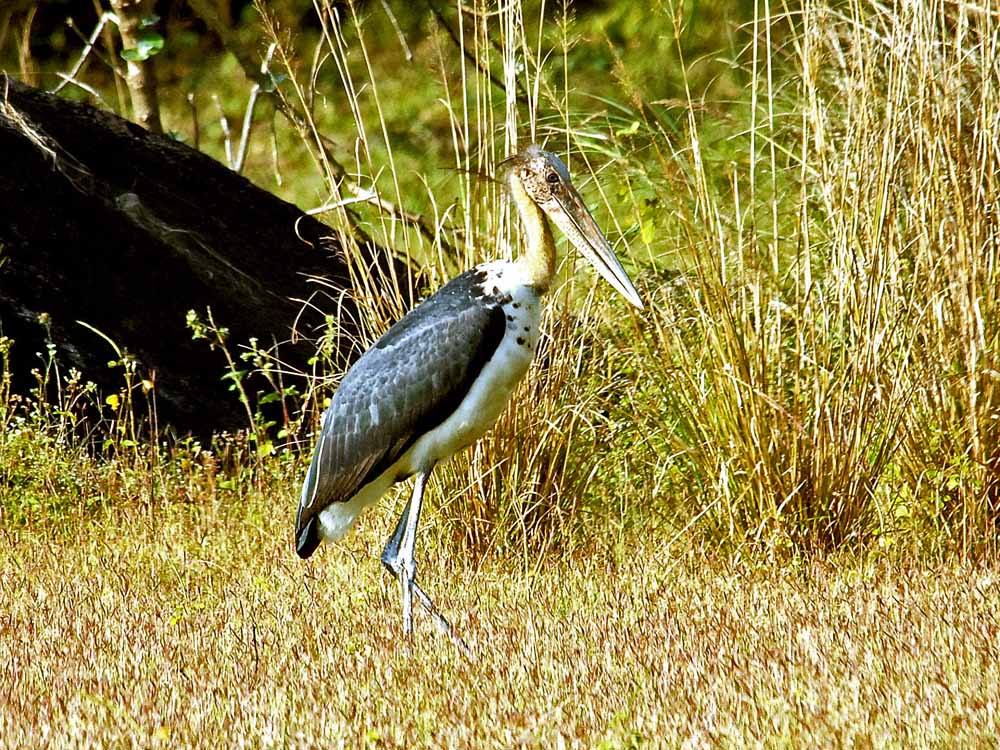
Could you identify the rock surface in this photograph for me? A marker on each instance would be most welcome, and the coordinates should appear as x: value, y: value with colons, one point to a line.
x: 105, y: 223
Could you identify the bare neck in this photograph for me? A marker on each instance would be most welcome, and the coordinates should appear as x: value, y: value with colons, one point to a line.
x: 538, y: 257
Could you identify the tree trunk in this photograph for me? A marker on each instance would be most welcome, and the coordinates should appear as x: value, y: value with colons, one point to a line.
x: 140, y: 73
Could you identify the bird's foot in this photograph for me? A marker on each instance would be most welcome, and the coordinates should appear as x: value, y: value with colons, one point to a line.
x: 442, y: 623
x: 406, y: 574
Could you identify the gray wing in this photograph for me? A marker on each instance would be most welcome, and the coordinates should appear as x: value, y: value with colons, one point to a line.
x: 409, y: 382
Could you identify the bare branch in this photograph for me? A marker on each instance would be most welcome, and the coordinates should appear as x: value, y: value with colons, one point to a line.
x: 241, y: 153
x: 71, y: 76
x: 205, y: 10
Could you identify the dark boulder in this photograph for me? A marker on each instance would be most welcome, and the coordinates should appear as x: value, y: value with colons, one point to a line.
x: 105, y: 223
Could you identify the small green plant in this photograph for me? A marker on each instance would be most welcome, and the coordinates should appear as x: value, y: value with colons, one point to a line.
x: 253, y: 361
x: 126, y: 430
x: 217, y: 337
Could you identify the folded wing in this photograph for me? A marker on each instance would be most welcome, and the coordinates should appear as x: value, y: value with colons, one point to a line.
x: 410, y: 381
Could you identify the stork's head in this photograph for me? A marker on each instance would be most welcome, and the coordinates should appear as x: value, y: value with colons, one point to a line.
x: 546, y: 181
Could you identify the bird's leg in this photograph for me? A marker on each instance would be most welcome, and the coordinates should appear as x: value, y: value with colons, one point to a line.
x: 390, y: 553
x: 400, y: 548
x: 397, y: 557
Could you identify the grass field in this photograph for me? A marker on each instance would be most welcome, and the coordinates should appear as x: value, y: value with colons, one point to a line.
x: 197, y: 628
x: 763, y: 513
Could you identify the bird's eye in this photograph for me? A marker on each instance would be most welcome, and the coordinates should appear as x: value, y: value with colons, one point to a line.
x: 552, y: 178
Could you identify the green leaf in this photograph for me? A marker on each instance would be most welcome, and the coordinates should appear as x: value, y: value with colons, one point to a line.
x: 630, y: 130
x: 150, y: 43
x: 647, y: 232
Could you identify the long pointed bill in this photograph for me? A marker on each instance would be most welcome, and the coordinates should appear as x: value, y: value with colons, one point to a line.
x: 570, y: 214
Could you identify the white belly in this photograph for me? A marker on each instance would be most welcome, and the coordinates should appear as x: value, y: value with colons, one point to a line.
x: 477, y: 412
x: 481, y: 408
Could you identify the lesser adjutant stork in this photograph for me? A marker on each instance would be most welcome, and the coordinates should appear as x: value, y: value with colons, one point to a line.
x: 437, y: 380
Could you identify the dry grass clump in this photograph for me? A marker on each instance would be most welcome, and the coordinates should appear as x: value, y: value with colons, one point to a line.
x: 831, y: 344
x: 200, y: 629
x: 818, y: 367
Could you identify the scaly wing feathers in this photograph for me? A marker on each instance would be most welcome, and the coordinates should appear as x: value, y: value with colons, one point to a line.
x: 409, y: 382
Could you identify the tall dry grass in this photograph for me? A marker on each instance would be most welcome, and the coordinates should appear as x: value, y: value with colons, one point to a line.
x: 831, y: 342
x: 819, y: 364
x: 520, y: 489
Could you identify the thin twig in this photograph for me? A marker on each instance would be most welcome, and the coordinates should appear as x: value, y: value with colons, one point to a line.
x: 248, y: 117
x: 226, y: 135
x: 483, y: 68
x: 207, y: 13
x: 399, y: 31
x: 69, y: 77
x: 195, y: 127
x: 24, y: 49
x: 111, y: 60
